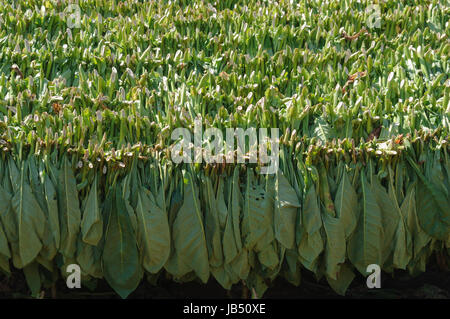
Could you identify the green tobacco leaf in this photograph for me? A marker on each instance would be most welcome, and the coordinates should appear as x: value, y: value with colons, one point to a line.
x: 5, y: 253
x: 420, y: 239
x: 217, y: 214
x: 432, y: 199
x: 366, y: 245
x: 292, y: 271
x: 188, y: 233
x: 257, y: 215
x: 222, y: 276
x: 229, y: 245
x: 418, y: 264
x: 429, y: 214
x: 89, y: 259
x: 120, y: 258
x: 49, y: 249
x: 240, y: 265
x: 346, y: 205
x: 35, y: 182
x: 230, y: 249
x: 212, y: 226
x: 91, y: 223
x: 10, y: 225
x: 310, y: 243
x: 324, y: 192
x: 343, y: 280
x: 222, y: 209
x: 174, y: 265
x: 52, y: 207
x: 268, y: 257
x: 335, y: 245
x: 256, y: 284
x: 236, y: 209
x: 153, y: 232
x: 4, y: 249
x: 286, y: 211
x: 128, y: 196
x: 29, y: 216
x: 403, y: 249
x: 133, y: 184
x: 390, y: 213
x: 33, y: 278
x: 219, y: 209
x: 45, y: 262
x: 69, y: 211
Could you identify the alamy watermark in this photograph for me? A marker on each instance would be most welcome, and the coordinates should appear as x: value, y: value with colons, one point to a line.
x: 374, y: 279
x: 373, y: 16
x: 73, y: 16
x: 74, y: 278
x: 210, y: 146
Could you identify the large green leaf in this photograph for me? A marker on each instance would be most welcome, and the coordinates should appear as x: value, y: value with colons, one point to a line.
x: 188, y: 233
x: 420, y: 239
x: 49, y: 248
x: 366, y: 244
x: 120, y: 259
x: 230, y: 248
x: 35, y: 182
x: 240, y: 265
x: 346, y: 204
x: 222, y: 209
x: 343, y: 280
x: 432, y: 199
x: 153, y: 232
x: 334, y: 228
x: 335, y: 245
x: 268, y: 257
x: 292, y: 271
x: 52, y: 208
x: 212, y: 225
x: 216, y: 212
x: 390, y: 217
x: 30, y: 218
x: 310, y: 242
x: 236, y: 209
x: 286, y: 209
x: 69, y: 210
x: 174, y: 265
x: 222, y: 276
x: 402, y: 240
x: 257, y: 214
x: 33, y: 278
x: 91, y: 223
x: 10, y: 225
x: 256, y: 284
x: 89, y: 259
x: 128, y: 196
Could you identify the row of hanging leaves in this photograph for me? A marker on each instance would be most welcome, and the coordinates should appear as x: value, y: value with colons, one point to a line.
x: 330, y: 217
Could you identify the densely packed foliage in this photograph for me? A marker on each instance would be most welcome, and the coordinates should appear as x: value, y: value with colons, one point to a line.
x: 85, y: 133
